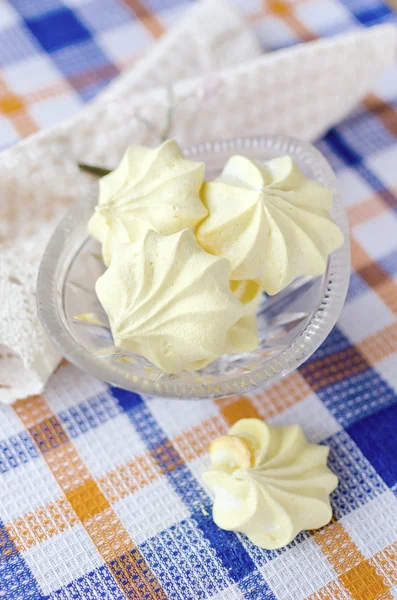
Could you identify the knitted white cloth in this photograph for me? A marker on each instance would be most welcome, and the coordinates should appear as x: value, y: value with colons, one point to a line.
x: 299, y: 91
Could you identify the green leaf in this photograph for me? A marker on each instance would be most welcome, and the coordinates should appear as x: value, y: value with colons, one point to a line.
x: 98, y: 171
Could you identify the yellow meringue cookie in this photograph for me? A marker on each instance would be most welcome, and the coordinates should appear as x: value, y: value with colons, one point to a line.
x: 243, y: 336
x: 269, y: 482
x: 155, y: 186
x: 249, y: 293
x: 121, y: 232
x: 169, y: 300
x: 269, y: 220
x: 98, y: 227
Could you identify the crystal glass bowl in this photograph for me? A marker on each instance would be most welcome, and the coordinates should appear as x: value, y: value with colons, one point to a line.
x: 292, y: 324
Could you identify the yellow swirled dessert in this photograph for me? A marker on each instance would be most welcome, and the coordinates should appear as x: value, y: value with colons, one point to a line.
x: 169, y: 300
x: 122, y: 231
x: 243, y: 336
x: 191, y: 259
x: 269, y: 482
x: 270, y: 221
x: 157, y: 188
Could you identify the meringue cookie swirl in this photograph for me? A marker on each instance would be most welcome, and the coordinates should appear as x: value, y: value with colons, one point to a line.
x: 169, y: 300
x: 269, y: 482
x: 269, y: 220
x: 249, y: 293
x: 120, y: 232
x: 243, y: 336
x: 158, y: 187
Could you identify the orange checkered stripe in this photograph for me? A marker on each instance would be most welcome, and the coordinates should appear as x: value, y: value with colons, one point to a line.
x: 84, y: 501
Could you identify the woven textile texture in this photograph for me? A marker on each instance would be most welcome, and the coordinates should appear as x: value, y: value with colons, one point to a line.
x: 100, y: 491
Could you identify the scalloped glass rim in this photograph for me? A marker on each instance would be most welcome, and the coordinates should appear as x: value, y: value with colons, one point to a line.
x: 57, y: 260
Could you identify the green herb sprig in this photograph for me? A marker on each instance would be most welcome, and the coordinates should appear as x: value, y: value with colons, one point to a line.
x: 94, y: 170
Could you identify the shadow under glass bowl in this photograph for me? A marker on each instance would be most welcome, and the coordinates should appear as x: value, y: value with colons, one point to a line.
x: 292, y: 324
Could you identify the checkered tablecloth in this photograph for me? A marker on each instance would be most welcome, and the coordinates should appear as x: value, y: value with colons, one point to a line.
x: 100, y: 490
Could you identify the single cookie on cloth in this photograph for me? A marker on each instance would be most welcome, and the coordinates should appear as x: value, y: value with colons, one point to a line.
x: 269, y: 482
